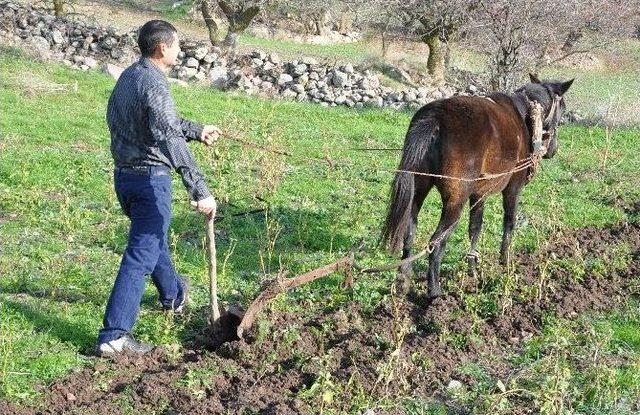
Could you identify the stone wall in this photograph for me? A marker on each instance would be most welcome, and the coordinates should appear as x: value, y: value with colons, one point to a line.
x: 86, y: 46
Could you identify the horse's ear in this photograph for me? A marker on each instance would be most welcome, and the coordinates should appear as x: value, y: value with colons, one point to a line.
x: 563, y: 87
x: 534, y: 79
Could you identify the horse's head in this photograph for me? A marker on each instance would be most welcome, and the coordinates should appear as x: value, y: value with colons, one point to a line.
x: 550, y: 95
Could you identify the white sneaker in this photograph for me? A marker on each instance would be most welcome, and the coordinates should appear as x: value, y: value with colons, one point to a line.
x: 124, y: 343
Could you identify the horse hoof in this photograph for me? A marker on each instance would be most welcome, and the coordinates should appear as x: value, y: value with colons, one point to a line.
x: 434, y: 293
x: 402, y: 284
x: 405, y: 270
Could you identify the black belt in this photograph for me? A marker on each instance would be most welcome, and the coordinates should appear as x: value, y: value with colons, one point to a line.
x: 144, y: 170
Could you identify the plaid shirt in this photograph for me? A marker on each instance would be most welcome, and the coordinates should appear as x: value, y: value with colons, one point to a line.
x: 145, y: 129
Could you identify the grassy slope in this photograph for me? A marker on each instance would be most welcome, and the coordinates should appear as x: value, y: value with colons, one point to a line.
x: 63, y: 234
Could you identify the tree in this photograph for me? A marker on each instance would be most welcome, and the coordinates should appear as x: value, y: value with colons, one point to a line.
x: 239, y: 15
x: 433, y: 22
x: 523, y: 36
x: 211, y: 21
x: 436, y: 22
x: 59, y: 8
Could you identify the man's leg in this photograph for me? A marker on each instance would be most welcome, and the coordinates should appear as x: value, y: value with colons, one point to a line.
x: 164, y: 276
x: 148, y: 207
x: 166, y: 279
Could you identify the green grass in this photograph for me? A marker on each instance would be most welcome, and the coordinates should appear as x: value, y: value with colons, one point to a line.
x: 590, y: 365
x: 62, y: 231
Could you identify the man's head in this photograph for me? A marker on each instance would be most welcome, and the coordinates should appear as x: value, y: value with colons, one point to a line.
x: 159, y: 40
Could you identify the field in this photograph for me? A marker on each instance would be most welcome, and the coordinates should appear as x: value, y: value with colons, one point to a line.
x: 554, y: 332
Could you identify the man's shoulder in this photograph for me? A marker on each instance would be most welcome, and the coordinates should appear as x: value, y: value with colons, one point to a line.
x: 139, y: 78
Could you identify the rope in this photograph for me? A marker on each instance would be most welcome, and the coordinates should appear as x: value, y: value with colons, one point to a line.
x: 324, y: 160
x: 530, y: 162
x: 526, y: 163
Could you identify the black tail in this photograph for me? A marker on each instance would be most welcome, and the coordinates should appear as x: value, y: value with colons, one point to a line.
x: 419, y: 139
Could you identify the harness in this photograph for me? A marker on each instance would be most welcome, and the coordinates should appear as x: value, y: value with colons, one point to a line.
x: 538, y: 130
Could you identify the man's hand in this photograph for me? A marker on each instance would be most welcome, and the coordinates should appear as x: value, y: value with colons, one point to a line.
x: 206, y: 206
x: 210, y: 134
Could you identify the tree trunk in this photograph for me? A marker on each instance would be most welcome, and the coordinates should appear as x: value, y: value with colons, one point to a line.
x: 58, y: 8
x: 230, y: 42
x: 210, y: 22
x: 436, y: 60
x: 239, y: 19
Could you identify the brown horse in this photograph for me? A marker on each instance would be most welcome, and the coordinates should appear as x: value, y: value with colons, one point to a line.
x: 479, y: 144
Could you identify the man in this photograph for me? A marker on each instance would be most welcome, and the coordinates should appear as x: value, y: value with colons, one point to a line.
x: 148, y: 139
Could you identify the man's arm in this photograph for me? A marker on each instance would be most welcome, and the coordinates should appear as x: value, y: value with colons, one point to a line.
x: 166, y: 128
x: 191, y: 130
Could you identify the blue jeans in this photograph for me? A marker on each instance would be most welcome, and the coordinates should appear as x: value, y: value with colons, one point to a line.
x: 146, y: 200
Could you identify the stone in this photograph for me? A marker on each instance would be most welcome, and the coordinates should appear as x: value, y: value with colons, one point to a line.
x: 454, y: 385
x: 256, y: 63
x: 116, y: 54
x: 314, y: 75
x: 410, y: 96
x: 472, y: 89
x: 191, y: 72
x: 289, y: 94
x: 200, y: 52
x: 349, y: 69
x: 404, y: 75
x: 57, y: 37
x: 373, y: 81
x: 192, y: 63
x: 258, y: 54
x: 108, y: 43
x: 210, y: 57
x: 303, y: 79
x: 299, y: 69
x: 90, y: 62
x: 114, y: 70
x: 274, y: 58
x: 218, y: 76
x: 395, y: 96
x: 268, y: 66
x: 309, y: 61
x: 40, y: 43
x: 284, y: 79
x: 340, y: 79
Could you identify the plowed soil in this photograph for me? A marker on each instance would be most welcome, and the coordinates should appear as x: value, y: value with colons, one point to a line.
x: 406, y: 346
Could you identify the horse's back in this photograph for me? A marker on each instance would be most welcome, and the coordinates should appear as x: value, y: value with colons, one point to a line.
x: 476, y: 134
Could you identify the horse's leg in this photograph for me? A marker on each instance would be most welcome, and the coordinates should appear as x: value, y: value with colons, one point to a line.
x: 510, y: 197
x: 422, y: 190
x: 451, y: 212
x: 403, y: 280
x: 476, y: 206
